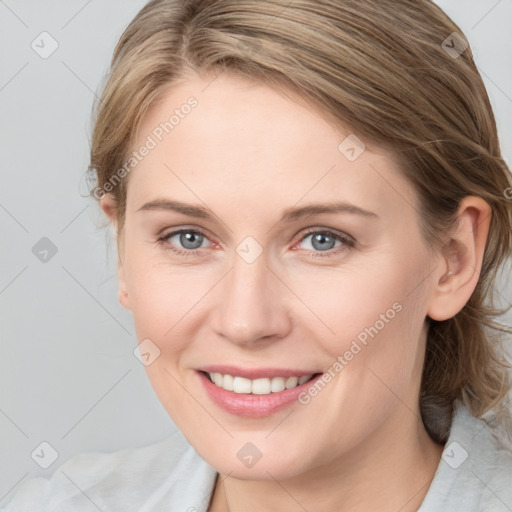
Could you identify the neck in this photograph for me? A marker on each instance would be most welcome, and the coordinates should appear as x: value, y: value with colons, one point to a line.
x: 392, y: 471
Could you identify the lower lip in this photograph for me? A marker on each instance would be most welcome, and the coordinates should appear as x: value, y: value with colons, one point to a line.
x: 253, y: 406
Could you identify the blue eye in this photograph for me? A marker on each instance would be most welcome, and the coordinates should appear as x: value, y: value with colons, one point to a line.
x: 190, y: 240
x: 323, y: 241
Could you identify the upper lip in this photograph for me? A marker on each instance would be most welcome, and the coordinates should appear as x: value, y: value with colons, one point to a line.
x: 255, y: 373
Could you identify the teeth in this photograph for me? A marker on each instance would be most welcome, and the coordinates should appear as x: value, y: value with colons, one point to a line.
x: 291, y: 382
x: 303, y: 379
x: 227, y: 382
x: 262, y: 386
x: 217, y: 379
x: 277, y: 384
x: 240, y: 385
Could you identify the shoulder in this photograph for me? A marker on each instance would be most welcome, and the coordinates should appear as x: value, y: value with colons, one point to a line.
x: 475, y: 471
x: 147, y: 478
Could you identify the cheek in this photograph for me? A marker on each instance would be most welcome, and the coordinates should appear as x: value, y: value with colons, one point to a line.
x: 165, y: 302
x: 348, y: 302
x: 170, y: 304
x: 375, y: 355
x: 369, y: 321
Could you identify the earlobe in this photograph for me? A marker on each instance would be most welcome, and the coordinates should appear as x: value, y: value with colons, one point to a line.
x: 123, y: 298
x: 461, y: 261
x: 123, y: 293
x: 108, y: 205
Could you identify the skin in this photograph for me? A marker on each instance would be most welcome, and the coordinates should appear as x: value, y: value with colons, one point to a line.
x: 248, y: 152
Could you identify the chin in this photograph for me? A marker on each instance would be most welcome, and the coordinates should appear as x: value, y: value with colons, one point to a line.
x: 256, y: 461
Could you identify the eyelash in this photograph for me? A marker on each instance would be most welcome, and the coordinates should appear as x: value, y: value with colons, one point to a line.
x: 348, y: 242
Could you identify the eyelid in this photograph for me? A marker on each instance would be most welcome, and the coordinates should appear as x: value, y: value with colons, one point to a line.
x: 168, y: 231
x: 344, y: 237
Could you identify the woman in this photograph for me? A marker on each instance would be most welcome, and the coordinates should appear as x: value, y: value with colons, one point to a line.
x: 311, y: 208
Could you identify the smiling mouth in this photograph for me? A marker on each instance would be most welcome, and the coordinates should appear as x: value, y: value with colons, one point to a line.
x: 261, y: 386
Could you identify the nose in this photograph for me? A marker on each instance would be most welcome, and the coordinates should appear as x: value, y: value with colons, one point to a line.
x: 251, y: 305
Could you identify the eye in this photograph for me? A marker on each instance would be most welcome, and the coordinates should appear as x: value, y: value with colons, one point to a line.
x: 184, y: 241
x: 325, y: 241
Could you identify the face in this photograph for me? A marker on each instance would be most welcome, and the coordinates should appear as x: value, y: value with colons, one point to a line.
x: 230, y: 269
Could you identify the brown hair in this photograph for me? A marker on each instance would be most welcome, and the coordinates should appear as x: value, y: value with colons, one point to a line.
x: 386, y: 70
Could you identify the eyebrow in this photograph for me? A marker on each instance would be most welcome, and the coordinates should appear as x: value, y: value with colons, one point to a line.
x: 288, y: 215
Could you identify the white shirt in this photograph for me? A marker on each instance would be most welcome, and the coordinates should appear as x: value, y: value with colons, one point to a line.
x: 474, y: 475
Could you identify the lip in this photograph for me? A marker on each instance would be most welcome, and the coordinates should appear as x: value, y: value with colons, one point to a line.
x: 256, y: 373
x: 249, y: 405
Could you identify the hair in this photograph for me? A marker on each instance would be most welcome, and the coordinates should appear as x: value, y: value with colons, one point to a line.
x: 385, y: 70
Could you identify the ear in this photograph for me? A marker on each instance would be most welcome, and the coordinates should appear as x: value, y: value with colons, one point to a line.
x: 461, y: 260
x: 109, y: 206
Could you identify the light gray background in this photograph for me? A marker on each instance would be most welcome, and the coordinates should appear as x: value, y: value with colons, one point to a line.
x: 67, y: 371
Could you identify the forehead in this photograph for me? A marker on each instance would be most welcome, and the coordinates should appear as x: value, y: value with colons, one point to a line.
x: 247, y: 144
